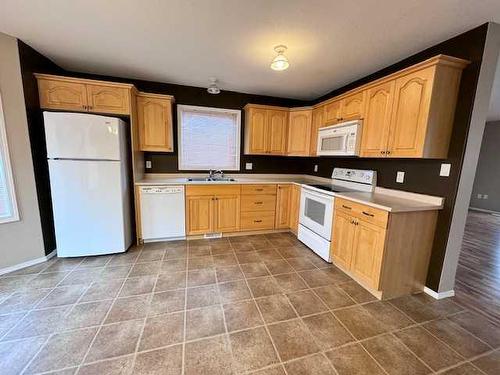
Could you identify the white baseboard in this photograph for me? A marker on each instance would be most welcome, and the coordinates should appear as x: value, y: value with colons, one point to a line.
x: 28, y: 263
x: 440, y: 295
x: 484, y: 210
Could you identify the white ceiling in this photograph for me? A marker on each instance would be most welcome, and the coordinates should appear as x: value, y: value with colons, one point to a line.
x: 330, y: 43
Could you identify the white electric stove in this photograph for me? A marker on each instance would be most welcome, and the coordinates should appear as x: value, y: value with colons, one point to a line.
x: 317, y: 203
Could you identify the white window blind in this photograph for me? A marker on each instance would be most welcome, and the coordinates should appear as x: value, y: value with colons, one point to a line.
x: 209, y: 138
x: 8, y: 205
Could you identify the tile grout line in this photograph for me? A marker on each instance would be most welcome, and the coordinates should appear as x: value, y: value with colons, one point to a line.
x: 107, y: 314
x: 183, y: 355
x: 263, y: 320
x: 150, y: 301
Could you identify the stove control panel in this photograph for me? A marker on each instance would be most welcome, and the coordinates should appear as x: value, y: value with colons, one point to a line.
x: 355, y: 175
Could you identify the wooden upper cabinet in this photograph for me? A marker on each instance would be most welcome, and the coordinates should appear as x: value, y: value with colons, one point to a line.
x: 332, y: 112
x: 277, y: 127
x: 318, y: 116
x: 60, y: 94
x: 283, y: 200
x: 108, y: 99
x: 154, y: 115
x: 368, y: 249
x: 299, y: 132
x: 352, y: 107
x: 410, y: 114
x: 375, y: 136
x: 256, y: 131
x: 83, y: 95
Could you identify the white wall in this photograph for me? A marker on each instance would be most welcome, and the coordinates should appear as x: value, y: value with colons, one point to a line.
x: 20, y: 241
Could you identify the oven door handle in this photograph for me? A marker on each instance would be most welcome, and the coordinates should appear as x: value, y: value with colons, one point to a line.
x: 316, y: 194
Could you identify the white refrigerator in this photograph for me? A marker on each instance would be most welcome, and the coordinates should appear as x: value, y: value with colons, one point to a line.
x: 87, y: 156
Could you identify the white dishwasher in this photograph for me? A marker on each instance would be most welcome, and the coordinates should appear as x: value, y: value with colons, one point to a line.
x: 162, y: 213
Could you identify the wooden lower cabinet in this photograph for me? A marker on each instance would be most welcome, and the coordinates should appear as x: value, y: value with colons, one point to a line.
x: 294, y: 208
x: 387, y: 253
x: 283, y: 206
x: 343, y: 239
x: 258, y: 208
x: 199, y: 214
x: 367, y: 251
x: 227, y: 213
x: 212, y: 209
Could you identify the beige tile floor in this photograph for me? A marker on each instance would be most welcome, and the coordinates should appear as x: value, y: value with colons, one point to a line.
x: 260, y: 304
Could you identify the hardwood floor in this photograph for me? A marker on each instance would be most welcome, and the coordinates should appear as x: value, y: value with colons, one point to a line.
x: 478, y: 275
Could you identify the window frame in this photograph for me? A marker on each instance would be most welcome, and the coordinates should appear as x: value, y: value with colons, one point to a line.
x: 193, y: 108
x: 9, y: 177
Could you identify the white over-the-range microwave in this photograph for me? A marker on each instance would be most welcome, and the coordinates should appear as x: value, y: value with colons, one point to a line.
x: 342, y: 139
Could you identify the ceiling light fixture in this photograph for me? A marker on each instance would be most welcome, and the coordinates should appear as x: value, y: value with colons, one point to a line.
x: 213, y: 88
x: 280, y: 62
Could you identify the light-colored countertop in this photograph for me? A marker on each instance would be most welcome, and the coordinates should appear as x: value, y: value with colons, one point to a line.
x: 385, y: 199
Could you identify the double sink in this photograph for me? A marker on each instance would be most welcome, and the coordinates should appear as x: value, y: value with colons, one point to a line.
x: 211, y: 179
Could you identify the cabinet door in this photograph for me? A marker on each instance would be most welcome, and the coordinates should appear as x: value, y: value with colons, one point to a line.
x: 318, y: 116
x: 368, y: 250
x: 294, y: 208
x: 277, y: 124
x: 332, y: 112
x: 155, y: 124
x: 343, y: 239
x: 299, y: 133
x: 375, y: 135
x: 108, y: 99
x: 258, y: 131
x: 283, y: 203
x: 227, y: 213
x: 56, y: 94
x: 410, y: 114
x: 353, y: 106
x: 199, y: 214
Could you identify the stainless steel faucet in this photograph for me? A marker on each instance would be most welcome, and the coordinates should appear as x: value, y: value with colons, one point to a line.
x: 216, y: 174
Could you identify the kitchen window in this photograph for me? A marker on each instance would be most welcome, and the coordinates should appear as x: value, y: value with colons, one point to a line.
x: 209, y: 138
x: 8, y: 204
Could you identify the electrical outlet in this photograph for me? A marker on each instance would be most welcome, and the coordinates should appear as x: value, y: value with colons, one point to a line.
x: 148, y: 164
x: 315, y: 167
x: 480, y: 196
x: 445, y: 170
x: 248, y: 166
x: 400, y: 177
x: 485, y: 196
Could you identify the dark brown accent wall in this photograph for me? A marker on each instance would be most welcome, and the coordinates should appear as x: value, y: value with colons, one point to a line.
x: 422, y: 175
x: 34, y: 62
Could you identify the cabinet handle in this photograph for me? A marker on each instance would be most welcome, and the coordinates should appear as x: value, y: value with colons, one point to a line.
x: 388, y: 152
x: 257, y: 221
x: 367, y: 214
x: 382, y: 152
x: 258, y: 202
x: 346, y: 207
x: 259, y: 189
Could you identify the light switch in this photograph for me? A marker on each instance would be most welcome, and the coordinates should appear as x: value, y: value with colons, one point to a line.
x: 248, y: 166
x: 148, y: 164
x: 480, y: 196
x: 445, y: 170
x: 400, y: 177
x: 315, y: 167
x: 485, y: 196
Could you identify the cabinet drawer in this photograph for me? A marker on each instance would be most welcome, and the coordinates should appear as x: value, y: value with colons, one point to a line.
x: 258, y: 202
x: 258, y: 189
x: 215, y: 189
x: 257, y: 220
x: 367, y: 213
